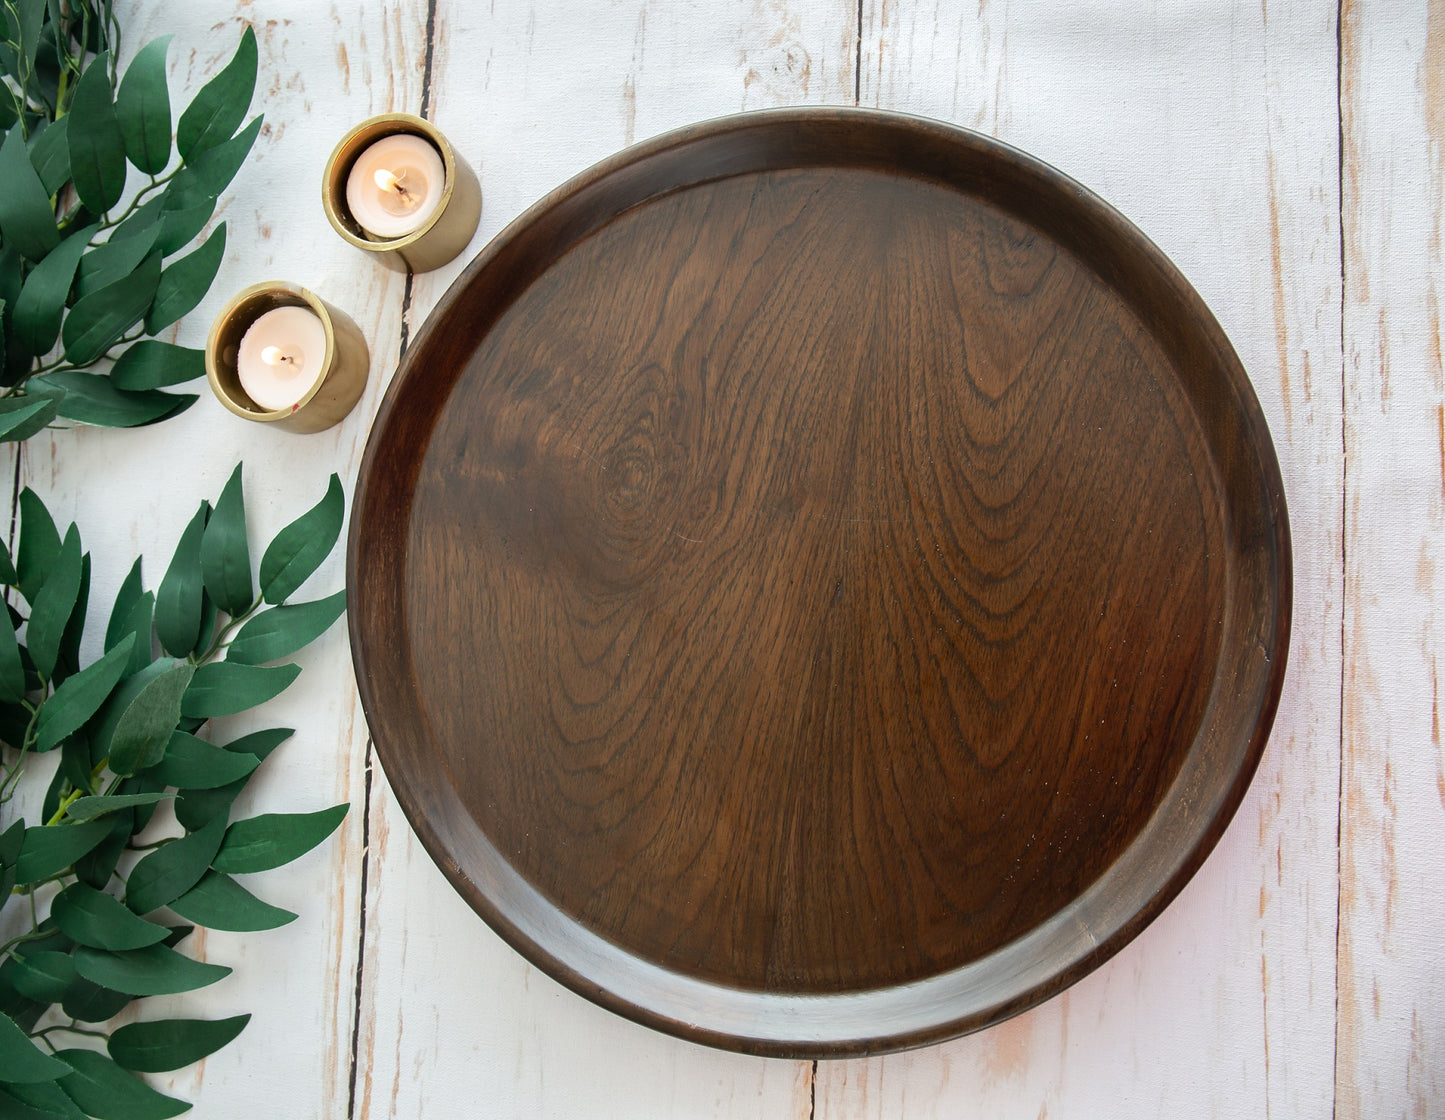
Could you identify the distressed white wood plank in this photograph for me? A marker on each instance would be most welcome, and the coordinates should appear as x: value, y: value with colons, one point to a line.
x: 1392, y: 913
x: 533, y: 93
x: 131, y: 493
x: 1214, y: 128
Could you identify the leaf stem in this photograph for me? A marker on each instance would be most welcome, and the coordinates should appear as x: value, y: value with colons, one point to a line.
x: 33, y: 935
x: 140, y: 196
x: 71, y: 1029
x: 226, y: 634
x: 70, y: 799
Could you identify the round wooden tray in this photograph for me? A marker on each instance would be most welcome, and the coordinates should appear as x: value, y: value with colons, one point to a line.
x: 820, y: 582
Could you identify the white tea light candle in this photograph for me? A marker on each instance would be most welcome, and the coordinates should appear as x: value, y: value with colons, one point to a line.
x: 281, y: 356
x: 397, y: 172
x: 395, y: 186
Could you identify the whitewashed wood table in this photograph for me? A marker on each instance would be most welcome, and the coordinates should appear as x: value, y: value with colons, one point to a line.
x: 1290, y: 158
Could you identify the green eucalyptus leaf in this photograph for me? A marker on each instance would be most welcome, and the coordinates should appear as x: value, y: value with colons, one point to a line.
x: 273, y: 839
x: 194, y: 764
x: 170, y: 871
x: 178, y: 601
x: 299, y: 549
x: 75, y: 760
x: 152, y: 364
x: 40, y: 1100
x: 22, y: 417
x: 143, y: 107
x: 39, y: 544
x: 42, y: 300
x: 30, y: 19
x: 91, y: 808
x: 225, y: 558
x: 115, y: 260
x: 143, y: 219
x: 12, y: 669
x: 146, y: 725
x: 21, y: 1060
x: 53, y: 605
x: 281, y: 631
x: 98, y: 320
x: 80, y: 696
x: 130, y: 593
x: 97, y: 147
x: 106, y: 1091
x: 219, y: 902
x: 93, y: 1003
x: 90, y: 398
x: 223, y: 689
x: 197, y: 807
x: 103, y: 726
x: 11, y: 841
x: 221, y: 105
x: 91, y: 917
x: 139, y: 624
x: 177, y: 228
x: 50, y: 155
x: 184, y: 283
x: 45, y: 976
x: 201, y: 182
x: 49, y: 849
x: 162, y: 1045
x: 96, y: 866
x: 26, y: 219
x: 156, y: 970
x: 69, y: 660
x: 8, y: 575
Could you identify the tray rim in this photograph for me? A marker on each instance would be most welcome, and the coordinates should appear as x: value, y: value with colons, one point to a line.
x: 799, y: 1026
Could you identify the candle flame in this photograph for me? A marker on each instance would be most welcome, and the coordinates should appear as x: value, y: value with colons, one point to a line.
x: 385, y: 180
x: 274, y: 356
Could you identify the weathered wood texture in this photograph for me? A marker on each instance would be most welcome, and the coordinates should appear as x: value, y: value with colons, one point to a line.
x: 1391, y: 1059
x: 1214, y: 126
x: 131, y: 492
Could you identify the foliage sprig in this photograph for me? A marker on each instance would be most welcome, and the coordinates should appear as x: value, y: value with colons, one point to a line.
x: 93, y: 906
x: 86, y: 282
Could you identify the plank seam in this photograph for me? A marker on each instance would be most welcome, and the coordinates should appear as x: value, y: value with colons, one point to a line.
x: 1344, y: 536
x: 361, y: 935
x: 858, y: 61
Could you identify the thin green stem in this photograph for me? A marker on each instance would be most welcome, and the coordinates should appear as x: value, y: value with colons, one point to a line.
x: 70, y: 799
x: 156, y: 181
x: 71, y: 1028
x: 33, y: 935
x: 227, y: 633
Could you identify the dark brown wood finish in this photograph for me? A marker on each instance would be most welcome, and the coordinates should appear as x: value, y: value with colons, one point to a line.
x: 820, y: 582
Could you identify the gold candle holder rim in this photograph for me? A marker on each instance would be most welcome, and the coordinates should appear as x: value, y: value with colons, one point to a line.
x: 295, y: 296
x: 343, y: 157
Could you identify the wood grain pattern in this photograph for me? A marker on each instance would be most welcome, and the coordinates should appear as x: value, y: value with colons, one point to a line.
x: 1215, y: 129
x: 827, y: 602
x: 533, y: 94
x: 1391, y: 1050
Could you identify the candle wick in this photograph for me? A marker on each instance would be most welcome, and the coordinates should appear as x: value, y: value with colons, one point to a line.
x: 275, y: 356
x: 387, y: 180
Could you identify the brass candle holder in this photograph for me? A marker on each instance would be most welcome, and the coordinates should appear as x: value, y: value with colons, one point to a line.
x: 443, y: 235
x: 337, y: 387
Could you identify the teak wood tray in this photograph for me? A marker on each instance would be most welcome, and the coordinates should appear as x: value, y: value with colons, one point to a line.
x: 820, y: 582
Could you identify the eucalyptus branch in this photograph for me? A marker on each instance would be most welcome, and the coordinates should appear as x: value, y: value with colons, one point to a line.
x: 144, y: 710
x: 101, y: 111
